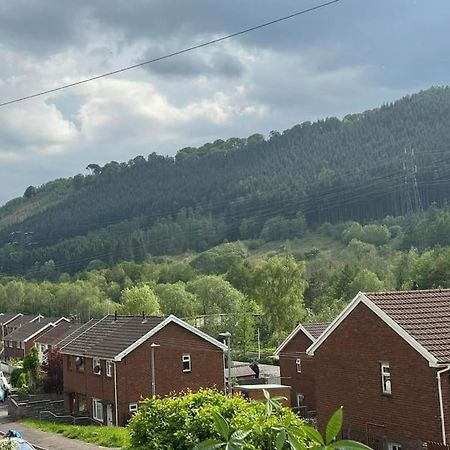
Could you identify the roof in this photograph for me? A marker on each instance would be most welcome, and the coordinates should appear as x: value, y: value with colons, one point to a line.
x: 57, y: 333
x: 7, y: 317
x: 74, y: 333
x: 257, y: 387
x: 311, y: 330
x: 421, y: 317
x: 28, y: 330
x: 22, y: 319
x: 114, y: 338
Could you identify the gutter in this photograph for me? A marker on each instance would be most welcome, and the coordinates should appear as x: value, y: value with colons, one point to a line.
x: 441, y: 403
x: 115, y: 394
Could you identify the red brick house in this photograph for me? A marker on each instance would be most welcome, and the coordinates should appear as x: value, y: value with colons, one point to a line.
x: 297, y: 368
x: 386, y: 359
x: 108, y: 365
x: 20, y: 341
x: 5, y: 318
x: 18, y: 320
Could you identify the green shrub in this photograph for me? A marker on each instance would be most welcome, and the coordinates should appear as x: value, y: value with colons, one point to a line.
x: 183, y: 421
x: 15, y: 375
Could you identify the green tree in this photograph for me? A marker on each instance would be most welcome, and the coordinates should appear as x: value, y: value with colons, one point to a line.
x: 174, y: 299
x: 278, y: 287
x: 140, y: 299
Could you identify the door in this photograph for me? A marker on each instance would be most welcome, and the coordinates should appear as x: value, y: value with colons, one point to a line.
x: 109, y: 415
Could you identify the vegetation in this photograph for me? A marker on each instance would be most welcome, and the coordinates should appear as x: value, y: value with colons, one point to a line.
x: 209, y: 420
x: 270, y: 189
x: 101, y: 436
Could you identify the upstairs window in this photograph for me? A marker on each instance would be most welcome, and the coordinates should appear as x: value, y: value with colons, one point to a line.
x: 298, y: 365
x: 386, y: 378
x: 96, y: 367
x: 186, y: 362
x: 79, y: 363
x: 394, y: 446
x: 109, y: 365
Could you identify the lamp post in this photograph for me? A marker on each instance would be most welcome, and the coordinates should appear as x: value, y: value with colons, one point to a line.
x: 227, y: 336
x: 153, y: 346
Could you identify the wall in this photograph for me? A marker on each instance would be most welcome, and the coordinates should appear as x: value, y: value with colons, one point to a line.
x: 348, y: 373
x: 30, y: 406
x: 304, y: 382
x: 134, y: 372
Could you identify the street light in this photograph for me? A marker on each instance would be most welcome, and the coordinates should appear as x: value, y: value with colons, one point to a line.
x: 153, y: 346
x: 227, y: 336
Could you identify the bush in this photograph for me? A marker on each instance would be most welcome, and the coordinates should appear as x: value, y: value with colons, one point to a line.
x: 15, y: 374
x: 183, y: 421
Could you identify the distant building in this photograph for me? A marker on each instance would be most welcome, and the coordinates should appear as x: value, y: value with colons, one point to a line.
x: 108, y: 364
x: 20, y: 341
x: 386, y: 360
x: 297, y: 368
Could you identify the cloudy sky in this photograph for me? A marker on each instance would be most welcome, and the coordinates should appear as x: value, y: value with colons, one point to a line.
x: 348, y: 57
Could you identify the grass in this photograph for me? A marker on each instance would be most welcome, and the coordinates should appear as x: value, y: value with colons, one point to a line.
x: 103, y: 436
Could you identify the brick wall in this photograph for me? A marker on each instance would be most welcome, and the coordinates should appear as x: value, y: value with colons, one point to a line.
x: 304, y: 382
x: 134, y: 372
x: 348, y: 373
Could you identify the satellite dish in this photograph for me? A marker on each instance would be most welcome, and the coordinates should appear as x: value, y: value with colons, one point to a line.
x: 97, y: 369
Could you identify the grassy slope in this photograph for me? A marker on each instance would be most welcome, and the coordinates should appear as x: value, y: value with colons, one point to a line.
x: 104, y: 436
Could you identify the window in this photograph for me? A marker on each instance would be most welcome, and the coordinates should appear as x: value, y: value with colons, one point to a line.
x: 186, y: 362
x: 97, y: 409
x: 109, y: 365
x: 81, y: 403
x: 298, y: 365
x: 69, y: 363
x: 18, y: 344
x: 394, y: 446
x: 133, y: 408
x: 300, y: 398
x: 96, y: 367
x: 79, y: 363
x: 386, y: 378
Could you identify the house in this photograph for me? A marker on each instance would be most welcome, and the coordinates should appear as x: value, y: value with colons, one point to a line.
x: 54, y: 335
x: 117, y: 360
x: 18, y: 320
x: 386, y: 359
x: 20, y: 341
x: 256, y: 392
x: 253, y: 373
x: 297, y: 368
x: 5, y: 318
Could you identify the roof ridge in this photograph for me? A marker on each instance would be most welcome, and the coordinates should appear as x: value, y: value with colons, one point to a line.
x: 410, y: 291
x: 86, y: 330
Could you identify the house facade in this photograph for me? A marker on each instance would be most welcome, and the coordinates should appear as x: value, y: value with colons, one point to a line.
x: 297, y: 368
x: 19, y: 342
x: 117, y: 361
x: 386, y: 360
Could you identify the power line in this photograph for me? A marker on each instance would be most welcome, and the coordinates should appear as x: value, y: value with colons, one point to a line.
x: 171, y: 55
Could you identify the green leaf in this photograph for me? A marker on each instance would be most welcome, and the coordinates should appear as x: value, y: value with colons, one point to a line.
x: 280, y: 439
x: 313, y: 434
x: 240, y: 435
x: 266, y: 394
x: 221, y: 425
x: 294, y: 442
x: 210, y: 444
x: 345, y: 444
x: 334, y: 425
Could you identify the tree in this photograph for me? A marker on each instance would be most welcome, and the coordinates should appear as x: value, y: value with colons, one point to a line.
x: 53, y: 370
x: 278, y: 287
x: 94, y: 168
x: 30, y: 192
x: 174, y: 299
x: 140, y: 299
x: 31, y: 364
x: 365, y: 281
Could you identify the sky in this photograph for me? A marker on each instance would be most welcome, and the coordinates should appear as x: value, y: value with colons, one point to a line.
x: 348, y: 57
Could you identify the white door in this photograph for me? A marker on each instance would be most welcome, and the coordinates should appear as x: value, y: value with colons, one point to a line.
x: 109, y: 415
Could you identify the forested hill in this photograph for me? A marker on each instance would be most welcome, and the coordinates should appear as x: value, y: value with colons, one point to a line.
x: 361, y: 167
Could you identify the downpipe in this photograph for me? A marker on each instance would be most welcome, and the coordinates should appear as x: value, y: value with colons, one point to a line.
x: 441, y: 403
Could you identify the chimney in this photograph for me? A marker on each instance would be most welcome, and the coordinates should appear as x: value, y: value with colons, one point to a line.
x: 415, y: 286
x: 143, y: 315
x: 115, y: 315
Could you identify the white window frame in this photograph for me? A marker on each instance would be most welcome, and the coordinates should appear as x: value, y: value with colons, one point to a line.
x: 298, y: 365
x: 108, y: 368
x: 95, y: 363
x: 394, y: 446
x: 97, y: 406
x: 386, y: 382
x: 187, y: 359
x: 133, y: 408
x: 300, y: 398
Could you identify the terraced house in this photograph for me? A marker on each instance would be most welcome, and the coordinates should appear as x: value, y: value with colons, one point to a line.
x: 386, y: 359
x: 112, y: 363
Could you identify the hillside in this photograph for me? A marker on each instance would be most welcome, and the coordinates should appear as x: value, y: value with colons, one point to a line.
x: 328, y: 171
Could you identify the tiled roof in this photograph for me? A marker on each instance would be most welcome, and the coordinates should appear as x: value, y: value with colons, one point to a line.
x: 108, y: 337
x: 74, y: 333
x: 5, y: 317
x: 27, y: 330
x: 425, y: 315
x: 57, y: 333
x: 19, y: 321
x: 316, y: 329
